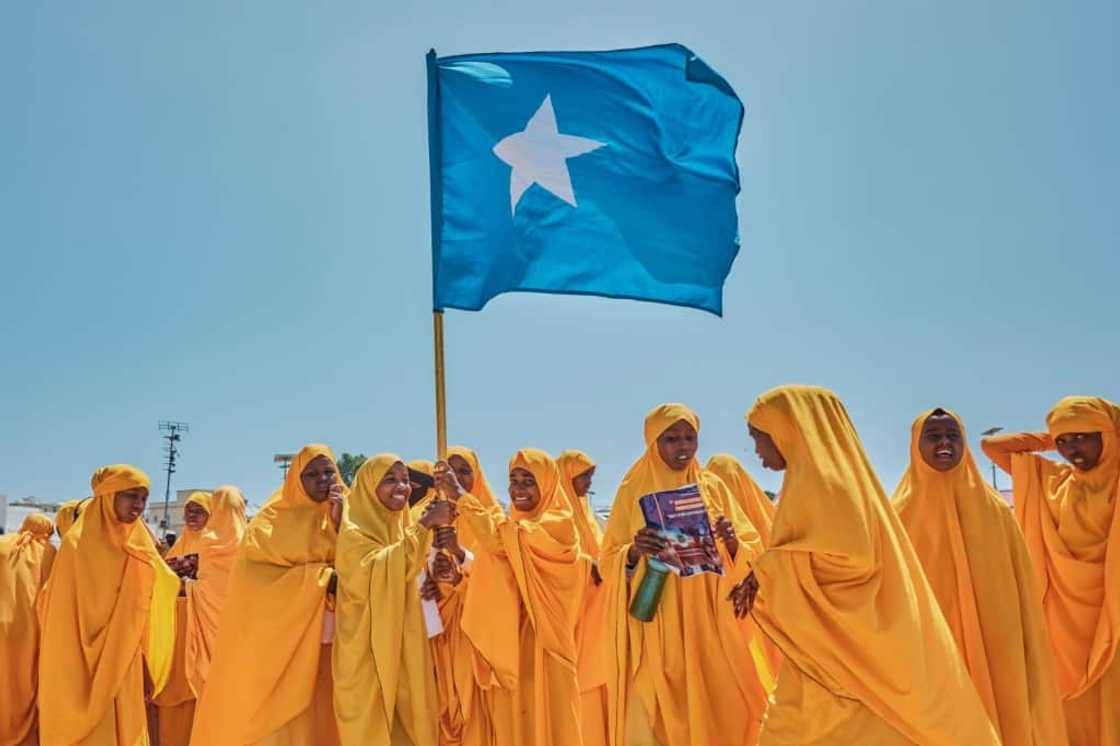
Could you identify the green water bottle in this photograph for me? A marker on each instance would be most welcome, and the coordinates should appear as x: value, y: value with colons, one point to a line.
x: 644, y: 606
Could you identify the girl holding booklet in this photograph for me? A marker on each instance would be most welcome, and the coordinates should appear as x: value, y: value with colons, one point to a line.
x: 384, y: 686
x: 533, y: 572
x: 688, y: 675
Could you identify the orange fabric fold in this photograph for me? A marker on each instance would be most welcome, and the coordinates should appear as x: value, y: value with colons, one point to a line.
x: 265, y: 680
x: 688, y: 676
x: 25, y: 564
x: 980, y: 571
x: 868, y: 656
x: 1072, y: 529
x: 110, y: 607
x: 752, y: 499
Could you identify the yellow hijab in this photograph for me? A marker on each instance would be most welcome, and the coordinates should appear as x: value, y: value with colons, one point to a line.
x: 68, y: 513
x: 572, y: 463
x: 751, y: 498
x: 111, y: 598
x: 694, y: 643
x: 978, y: 567
x: 25, y: 563
x: 842, y: 592
x: 1072, y: 528
x: 191, y: 541
x: 481, y: 490
x: 381, y: 645
x: 269, y: 640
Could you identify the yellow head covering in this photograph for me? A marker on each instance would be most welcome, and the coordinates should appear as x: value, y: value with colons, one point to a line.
x: 267, y: 654
x: 480, y: 489
x: 694, y: 643
x: 190, y: 541
x: 843, y: 594
x: 423, y: 466
x: 572, y: 463
x: 1072, y: 528
x: 110, y: 578
x: 751, y: 498
x: 25, y: 563
x: 68, y: 513
x: 381, y: 646
x: 978, y: 567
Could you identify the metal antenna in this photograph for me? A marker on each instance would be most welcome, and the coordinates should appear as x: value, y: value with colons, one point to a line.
x: 174, y: 434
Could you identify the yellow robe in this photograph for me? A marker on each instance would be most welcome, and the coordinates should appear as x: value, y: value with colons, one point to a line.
x: 109, y: 609
x: 689, y: 676
x: 591, y: 634
x: 534, y: 648
x: 25, y: 564
x: 269, y: 682
x: 868, y: 656
x: 1072, y: 529
x: 384, y: 683
x: 980, y: 571
x: 750, y: 497
x: 199, y: 609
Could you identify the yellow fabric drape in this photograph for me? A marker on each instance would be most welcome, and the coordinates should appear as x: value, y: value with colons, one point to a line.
x: 68, y: 513
x: 1072, y: 528
x: 199, y: 611
x: 868, y: 656
x: 751, y: 498
x: 688, y: 676
x: 978, y: 567
x: 383, y: 676
x: 591, y: 634
x: 25, y: 564
x: 537, y: 643
x: 110, y: 607
x: 264, y: 677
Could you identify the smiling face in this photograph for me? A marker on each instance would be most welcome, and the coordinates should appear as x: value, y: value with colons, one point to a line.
x: 128, y: 505
x: 195, y: 516
x: 463, y: 471
x: 1083, y: 450
x: 941, y: 443
x: 394, y: 488
x: 677, y: 445
x: 581, y: 483
x: 767, y: 450
x: 318, y: 477
x: 524, y: 492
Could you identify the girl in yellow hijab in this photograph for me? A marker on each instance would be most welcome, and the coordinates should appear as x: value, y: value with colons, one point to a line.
x: 977, y: 564
x: 687, y: 676
x: 1072, y: 527
x: 538, y: 705
x: 384, y: 686
x: 25, y: 564
x: 269, y: 682
x: 214, y: 526
x: 868, y: 656
x: 109, y: 609
x: 576, y: 471
x: 751, y: 498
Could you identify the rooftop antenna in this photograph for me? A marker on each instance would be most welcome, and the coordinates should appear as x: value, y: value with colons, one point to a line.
x: 174, y: 434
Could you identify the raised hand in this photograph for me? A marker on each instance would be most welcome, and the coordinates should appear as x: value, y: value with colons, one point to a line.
x: 743, y: 595
x: 726, y: 533
x: 447, y: 539
x: 447, y: 482
x: 438, y: 513
x: 334, y: 503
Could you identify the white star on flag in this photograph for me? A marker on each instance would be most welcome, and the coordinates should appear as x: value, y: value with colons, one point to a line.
x: 539, y: 154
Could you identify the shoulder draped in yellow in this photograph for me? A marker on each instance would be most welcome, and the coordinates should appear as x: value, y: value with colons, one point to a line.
x: 869, y: 658
x: 689, y: 675
x: 25, y: 564
x: 978, y: 567
x: 383, y: 677
x: 110, y: 607
x: 751, y: 498
x: 1072, y: 528
x: 269, y: 661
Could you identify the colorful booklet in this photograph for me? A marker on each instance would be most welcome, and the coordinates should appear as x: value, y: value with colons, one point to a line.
x: 682, y: 518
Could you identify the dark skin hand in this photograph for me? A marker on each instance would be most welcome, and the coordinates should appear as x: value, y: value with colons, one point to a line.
x: 332, y: 584
x: 447, y: 539
x: 648, y: 542
x: 445, y: 570
x: 596, y: 578
x: 743, y: 595
x: 430, y: 591
x: 438, y: 513
x: 726, y: 533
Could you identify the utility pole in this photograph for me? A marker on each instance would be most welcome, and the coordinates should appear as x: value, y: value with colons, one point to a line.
x: 987, y: 433
x: 283, y: 460
x: 174, y: 434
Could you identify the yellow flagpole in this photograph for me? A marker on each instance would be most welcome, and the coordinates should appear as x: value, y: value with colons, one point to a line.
x: 441, y: 401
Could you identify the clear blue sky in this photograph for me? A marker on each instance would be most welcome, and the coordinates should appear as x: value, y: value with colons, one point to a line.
x: 218, y: 212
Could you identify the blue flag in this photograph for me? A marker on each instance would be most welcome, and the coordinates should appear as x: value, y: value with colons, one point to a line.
x: 594, y: 173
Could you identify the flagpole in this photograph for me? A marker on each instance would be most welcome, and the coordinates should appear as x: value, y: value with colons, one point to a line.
x: 441, y: 400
